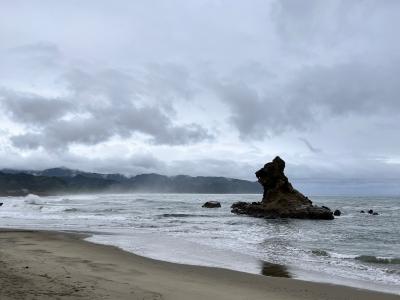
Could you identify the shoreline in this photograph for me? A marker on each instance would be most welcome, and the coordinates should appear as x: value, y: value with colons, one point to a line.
x: 50, y: 264
x: 190, y: 253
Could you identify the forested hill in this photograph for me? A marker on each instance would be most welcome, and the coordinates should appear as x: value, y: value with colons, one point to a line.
x: 65, y: 181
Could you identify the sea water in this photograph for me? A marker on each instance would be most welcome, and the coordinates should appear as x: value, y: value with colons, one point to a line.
x: 356, y: 249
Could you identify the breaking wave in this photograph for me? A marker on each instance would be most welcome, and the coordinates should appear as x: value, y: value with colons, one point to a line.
x: 379, y: 260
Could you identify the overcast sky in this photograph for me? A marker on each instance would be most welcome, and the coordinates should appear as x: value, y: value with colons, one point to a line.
x: 201, y: 87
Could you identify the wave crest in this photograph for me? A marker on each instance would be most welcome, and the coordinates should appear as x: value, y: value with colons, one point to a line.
x: 379, y: 260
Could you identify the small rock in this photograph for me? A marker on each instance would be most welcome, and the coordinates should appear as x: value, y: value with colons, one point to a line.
x: 1, y: 203
x: 211, y: 204
x: 363, y: 212
x: 375, y: 214
x: 337, y: 212
x: 370, y: 211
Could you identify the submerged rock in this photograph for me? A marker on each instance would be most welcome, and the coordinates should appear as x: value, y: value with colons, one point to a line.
x: 211, y: 204
x: 363, y: 212
x: 375, y: 214
x: 280, y: 199
x: 337, y: 212
x: 319, y: 252
x: 370, y: 211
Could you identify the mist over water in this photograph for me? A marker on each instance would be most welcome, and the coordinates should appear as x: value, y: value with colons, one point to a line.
x: 354, y: 249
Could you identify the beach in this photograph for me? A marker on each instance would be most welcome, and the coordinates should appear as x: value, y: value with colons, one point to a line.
x: 355, y: 249
x: 58, y: 265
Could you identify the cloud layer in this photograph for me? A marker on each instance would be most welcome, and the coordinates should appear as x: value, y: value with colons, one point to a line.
x: 95, y: 107
x: 202, y: 87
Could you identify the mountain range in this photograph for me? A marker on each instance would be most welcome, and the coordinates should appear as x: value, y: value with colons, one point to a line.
x: 66, y: 181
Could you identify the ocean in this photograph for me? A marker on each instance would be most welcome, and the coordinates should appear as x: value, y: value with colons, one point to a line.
x: 355, y: 249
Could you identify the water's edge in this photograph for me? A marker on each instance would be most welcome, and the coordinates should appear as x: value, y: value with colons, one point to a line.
x: 235, y: 262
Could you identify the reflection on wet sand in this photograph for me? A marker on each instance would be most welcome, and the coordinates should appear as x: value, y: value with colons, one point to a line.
x: 274, y: 270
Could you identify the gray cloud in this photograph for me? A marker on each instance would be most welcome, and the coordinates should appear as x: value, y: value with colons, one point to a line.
x: 27, y: 141
x: 313, y: 95
x: 358, y: 88
x: 257, y: 115
x: 99, y: 105
x: 33, y: 109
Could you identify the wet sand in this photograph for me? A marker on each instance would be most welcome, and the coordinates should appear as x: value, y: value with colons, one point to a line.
x: 56, y: 265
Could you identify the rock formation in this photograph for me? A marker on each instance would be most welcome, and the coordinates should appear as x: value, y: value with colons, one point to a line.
x: 280, y: 199
x: 211, y: 204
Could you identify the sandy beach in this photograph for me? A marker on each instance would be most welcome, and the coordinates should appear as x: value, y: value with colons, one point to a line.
x: 56, y: 265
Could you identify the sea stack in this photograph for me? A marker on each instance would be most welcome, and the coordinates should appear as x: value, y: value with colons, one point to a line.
x: 280, y: 199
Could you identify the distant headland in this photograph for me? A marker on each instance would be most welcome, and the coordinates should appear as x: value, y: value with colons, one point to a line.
x: 66, y: 181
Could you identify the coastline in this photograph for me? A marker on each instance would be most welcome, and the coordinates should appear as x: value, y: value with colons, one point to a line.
x: 172, y: 249
x: 54, y: 264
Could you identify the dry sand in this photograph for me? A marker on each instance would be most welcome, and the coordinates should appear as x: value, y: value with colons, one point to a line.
x: 54, y: 265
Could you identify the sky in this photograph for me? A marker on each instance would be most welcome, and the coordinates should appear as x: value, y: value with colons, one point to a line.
x: 202, y: 87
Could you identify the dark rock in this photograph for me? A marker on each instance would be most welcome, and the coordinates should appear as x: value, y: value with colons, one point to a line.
x: 337, y: 212
x: 363, y: 212
x: 375, y: 214
x: 370, y: 211
x: 256, y: 210
x: 280, y: 199
x: 1, y: 203
x: 274, y: 270
x: 211, y: 204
